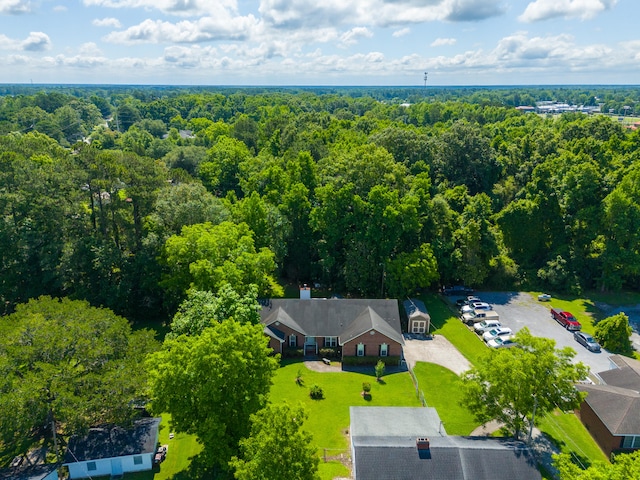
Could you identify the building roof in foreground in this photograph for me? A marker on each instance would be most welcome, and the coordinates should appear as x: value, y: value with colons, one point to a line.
x: 384, y: 448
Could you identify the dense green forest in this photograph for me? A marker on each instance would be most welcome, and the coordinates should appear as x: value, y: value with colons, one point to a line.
x: 128, y: 196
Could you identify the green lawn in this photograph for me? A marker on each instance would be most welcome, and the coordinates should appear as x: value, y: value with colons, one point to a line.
x: 441, y: 388
x: 182, y: 448
x: 445, y: 322
x: 570, y: 435
x: 328, y: 419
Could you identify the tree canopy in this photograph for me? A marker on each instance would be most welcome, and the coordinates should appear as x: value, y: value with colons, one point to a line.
x: 509, y: 384
x: 277, y: 446
x: 68, y: 365
x: 624, y: 466
x: 212, y: 383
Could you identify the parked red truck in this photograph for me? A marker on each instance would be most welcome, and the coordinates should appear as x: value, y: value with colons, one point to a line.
x: 566, y: 319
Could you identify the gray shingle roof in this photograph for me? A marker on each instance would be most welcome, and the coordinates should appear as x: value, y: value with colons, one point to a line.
x: 384, y: 447
x: 449, y: 458
x: 369, y: 320
x: 416, y: 308
x: 618, y: 408
x: 617, y: 404
x: 344, y: 318
x: 114, y: 442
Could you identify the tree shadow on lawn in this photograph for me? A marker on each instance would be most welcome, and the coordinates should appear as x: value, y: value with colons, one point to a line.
x: 561, y: 445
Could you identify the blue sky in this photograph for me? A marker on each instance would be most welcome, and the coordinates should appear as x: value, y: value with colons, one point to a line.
x: 320, y: 42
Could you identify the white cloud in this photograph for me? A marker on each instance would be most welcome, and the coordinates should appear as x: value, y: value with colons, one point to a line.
x: 204, y: 29
x: 60, y: 8
x: 36, y: 42
x: 173, y: 7
x: 547, y: 9
x: 107, y: 22
x: 402, y: 32
x: 438, y: 42
x: 291, y: 14
x: 352, y: 36
x: 14, y: 7
x: 90, y: 48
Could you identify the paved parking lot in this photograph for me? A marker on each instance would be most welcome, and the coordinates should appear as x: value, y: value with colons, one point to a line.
x: 518, y: 310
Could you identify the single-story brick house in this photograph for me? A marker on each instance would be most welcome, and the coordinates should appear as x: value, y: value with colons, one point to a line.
x: 353, y: 327
x: 113, y: 450
x: 418, y: 318
x: 611, y: 410
x: 405, y: 443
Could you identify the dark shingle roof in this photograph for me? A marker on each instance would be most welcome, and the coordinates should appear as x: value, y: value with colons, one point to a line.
x: 114, y: 442
x: 626, y: 375
x: 384, y: 447
x: 369, y: 320
x: 617, y: 404
x: 348, y: 318
x: 618, y: 408
x: 36, y: 472
x: 449, y: 458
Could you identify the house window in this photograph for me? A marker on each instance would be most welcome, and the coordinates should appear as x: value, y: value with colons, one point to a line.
x: 91, y: 466
x: 309, y: 340
x: 137, y: 460
x: 631, y: 441
x: 292, y: 340
x: 384, y: 350
x: 418, y: 326
x: 331, y: 341
x: 360, y: 350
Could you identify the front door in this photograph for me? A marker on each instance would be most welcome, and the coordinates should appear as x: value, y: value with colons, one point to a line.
x: 116, y: 467
x: 310, y: 346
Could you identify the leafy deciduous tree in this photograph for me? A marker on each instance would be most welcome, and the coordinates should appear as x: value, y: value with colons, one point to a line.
x: 624, y: 466
x: 212, y: 383
x: 68, y: 364
x: 508, y: 384
x: 277, y: 447
x: 201, y: 309
x: 614, y: 333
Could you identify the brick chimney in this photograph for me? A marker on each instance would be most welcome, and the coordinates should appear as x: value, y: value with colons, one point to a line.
x: 422, y: 443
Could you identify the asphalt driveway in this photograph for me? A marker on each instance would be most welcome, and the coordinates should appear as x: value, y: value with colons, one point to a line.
x: 518, y: 310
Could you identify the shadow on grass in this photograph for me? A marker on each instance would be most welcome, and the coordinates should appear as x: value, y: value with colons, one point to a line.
x: 561, y: 445
x: 199, y: 469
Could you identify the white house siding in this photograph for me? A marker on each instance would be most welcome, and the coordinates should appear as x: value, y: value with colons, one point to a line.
x: 103, y: 466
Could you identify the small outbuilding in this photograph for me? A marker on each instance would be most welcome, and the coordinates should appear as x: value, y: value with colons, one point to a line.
x: 418, y: 318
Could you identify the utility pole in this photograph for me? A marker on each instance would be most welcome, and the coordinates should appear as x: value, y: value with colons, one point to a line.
x: 533, y: 417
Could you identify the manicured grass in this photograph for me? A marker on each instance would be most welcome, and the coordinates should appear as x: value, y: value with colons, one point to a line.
x: 332, y: 469
x: 442, y: 390
x: 570, y: 435
x: 583, y: 309
x: 328, y: 419
x: 182, y: 448
x: 445, y: 322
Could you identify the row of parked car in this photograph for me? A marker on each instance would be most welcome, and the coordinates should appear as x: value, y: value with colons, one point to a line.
x: 474, y: 312
x: 485, y: 321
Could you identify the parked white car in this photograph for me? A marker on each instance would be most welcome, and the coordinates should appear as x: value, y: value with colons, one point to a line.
x: 485, y: 326
x: 502, y: 342
x: 496, y: 332
x: 474, y: 306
